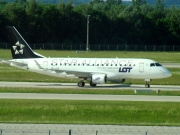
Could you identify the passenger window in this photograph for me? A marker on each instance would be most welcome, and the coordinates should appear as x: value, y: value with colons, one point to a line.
x: 152, y: 65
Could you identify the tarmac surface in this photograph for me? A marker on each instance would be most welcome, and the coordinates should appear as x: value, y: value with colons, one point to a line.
x: 137, y: 88
x: 90, y: 97
x: 99, y: 86
x: 75, y: 129
x: 97, y: 97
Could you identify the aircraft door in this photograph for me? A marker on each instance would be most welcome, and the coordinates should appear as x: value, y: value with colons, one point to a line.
x: 141, y: 67
x: 45, y: 65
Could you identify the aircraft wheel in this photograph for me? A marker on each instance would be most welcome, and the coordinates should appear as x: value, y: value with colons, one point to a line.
x: 92, y: 84
x: 147, y: 85
x: 81, y: 84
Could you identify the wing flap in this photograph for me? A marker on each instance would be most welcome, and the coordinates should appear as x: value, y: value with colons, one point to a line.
x: 74, y: 73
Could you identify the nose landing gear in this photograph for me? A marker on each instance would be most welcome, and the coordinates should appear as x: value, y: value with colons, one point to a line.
x: 92, y: 84
x: 147, y: 85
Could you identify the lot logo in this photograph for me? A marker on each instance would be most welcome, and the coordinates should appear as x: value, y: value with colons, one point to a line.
x: 125, y: 69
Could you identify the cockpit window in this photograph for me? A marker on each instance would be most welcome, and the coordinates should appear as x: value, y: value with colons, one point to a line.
x: 157, y: 64
x: 152, y: 64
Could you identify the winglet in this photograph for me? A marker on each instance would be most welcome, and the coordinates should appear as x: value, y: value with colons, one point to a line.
x: 19, y: 47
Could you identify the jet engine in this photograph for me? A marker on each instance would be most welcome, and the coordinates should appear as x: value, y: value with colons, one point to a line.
x: 99, y: 78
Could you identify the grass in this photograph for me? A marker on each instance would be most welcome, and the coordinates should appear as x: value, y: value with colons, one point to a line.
x: 85, y: 91
x: 89, y: 112
x: 165, y: 57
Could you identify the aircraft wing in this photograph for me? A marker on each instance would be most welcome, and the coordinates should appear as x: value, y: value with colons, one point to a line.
x: 78, y: 74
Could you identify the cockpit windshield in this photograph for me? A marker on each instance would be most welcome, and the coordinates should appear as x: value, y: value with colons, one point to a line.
x: 155, y: 64
x: 152, y: 64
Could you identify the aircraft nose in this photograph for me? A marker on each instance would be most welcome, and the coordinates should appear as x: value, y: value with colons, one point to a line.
x: 167, y: 73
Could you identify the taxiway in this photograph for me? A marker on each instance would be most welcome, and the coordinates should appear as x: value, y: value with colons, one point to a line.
x: 74, y: 86
x: 87, y: 96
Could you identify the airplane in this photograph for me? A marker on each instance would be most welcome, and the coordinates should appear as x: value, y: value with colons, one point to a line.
x: 93, y: 70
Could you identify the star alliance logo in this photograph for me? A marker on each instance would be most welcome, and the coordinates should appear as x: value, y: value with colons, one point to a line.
x: 18, y: 48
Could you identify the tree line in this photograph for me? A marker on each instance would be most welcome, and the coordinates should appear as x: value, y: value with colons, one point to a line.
x: 77, y: 2
x: 110, y: 22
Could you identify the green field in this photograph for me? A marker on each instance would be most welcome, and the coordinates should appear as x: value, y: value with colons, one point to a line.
x: 90, y: 112
x: 165, y: 57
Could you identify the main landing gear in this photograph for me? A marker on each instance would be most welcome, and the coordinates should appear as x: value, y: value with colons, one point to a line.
x: 81, y: 84
x: 147, y: 85
x: 92, y: 84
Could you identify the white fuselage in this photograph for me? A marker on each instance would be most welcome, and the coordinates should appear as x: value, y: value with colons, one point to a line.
x: 114, y: 68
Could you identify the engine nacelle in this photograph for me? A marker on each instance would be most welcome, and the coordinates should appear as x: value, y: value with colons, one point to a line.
x: 99, y: 78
